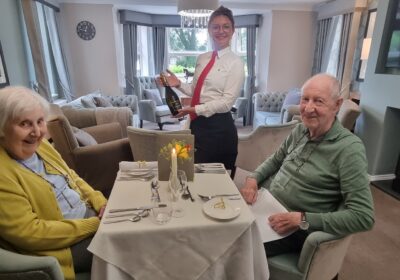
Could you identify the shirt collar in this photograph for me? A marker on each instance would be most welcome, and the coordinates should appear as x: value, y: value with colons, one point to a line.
x: 332, y: 134
x: 222, y: 52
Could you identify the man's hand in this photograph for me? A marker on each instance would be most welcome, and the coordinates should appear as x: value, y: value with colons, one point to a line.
x: 250, y: 190
x: 285, y: 222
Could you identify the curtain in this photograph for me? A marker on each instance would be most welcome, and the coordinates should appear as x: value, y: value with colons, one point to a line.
x: 130, y: 54
x: 330, y: 55
x: 58, y: 55
x: 159, y: 47
x: 322, y: 34
x: 35, y: 41
x: 250, y: 81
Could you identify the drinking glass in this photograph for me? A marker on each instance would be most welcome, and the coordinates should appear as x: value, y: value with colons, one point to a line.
x: 176, y: 186
x: 162, y: 215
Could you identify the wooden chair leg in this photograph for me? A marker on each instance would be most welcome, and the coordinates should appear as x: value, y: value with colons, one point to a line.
x: 141, y: 124
x: 336, y: 277
x: 244, y: 120
x: 160, y: 125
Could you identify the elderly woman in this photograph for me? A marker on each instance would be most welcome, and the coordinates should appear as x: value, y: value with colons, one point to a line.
x: 46, y: 209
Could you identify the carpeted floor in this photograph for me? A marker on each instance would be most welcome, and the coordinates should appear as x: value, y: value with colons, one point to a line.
x: 372, y: 255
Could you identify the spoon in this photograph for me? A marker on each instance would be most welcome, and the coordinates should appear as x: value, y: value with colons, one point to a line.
x: 134, y: 219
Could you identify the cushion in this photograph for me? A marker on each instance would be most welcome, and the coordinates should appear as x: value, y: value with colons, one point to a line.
x: 77, y: 104
x: 153, y: 94
x: 292, y: 97
x: 83, y: 138
x: 102, y: 102
x: 88, y: 102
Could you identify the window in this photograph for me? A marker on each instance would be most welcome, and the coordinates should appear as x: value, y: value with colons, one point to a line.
x: 185, y: 44
x: 145, y: 57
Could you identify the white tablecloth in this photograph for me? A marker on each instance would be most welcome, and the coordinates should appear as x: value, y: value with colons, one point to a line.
x: 192, y: 247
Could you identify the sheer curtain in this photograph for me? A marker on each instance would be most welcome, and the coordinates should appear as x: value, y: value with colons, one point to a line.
x: 58, y: 55
x: 159, y: 47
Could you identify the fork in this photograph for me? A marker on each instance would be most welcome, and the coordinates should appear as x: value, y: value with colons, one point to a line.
x: 208, y: 197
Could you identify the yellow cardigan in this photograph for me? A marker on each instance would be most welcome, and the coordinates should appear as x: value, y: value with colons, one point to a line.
x: 30, y: 220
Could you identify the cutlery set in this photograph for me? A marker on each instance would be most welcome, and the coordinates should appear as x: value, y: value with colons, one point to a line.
x: 217, y: 168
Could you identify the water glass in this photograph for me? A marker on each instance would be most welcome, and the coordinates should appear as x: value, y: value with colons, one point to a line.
x: 162, y: 215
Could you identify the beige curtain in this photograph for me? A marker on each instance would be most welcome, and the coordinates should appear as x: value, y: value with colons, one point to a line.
x: 32, y: 26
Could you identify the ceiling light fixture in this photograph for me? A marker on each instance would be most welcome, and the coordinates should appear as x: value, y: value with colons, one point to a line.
x: 195, y: 13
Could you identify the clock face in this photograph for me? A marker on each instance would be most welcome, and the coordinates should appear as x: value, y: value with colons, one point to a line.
x: 86, y: 30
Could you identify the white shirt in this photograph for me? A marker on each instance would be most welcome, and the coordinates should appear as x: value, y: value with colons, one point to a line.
x: 222, y: 85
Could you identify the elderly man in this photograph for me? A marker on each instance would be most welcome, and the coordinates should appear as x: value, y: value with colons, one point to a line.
x: 319, y: 173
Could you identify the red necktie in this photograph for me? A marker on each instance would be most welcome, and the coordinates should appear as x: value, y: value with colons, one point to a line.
x: 200, y: 82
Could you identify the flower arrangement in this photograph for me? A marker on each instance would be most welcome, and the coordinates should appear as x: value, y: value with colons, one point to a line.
x: 183, y: 150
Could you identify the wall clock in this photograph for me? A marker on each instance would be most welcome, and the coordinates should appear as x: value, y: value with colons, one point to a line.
x: 85, y: 30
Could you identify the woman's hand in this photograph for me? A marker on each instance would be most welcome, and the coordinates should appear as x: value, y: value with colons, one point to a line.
x: 185, y: 111
x: 172, y: 80
x: 101, y: 212
x: 285, y: 222
x: 250, y: 190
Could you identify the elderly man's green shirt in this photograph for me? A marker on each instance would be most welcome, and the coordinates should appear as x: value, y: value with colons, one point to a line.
x: 326, y: 178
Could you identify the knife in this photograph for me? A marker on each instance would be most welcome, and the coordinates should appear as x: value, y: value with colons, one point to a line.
x: 148, y: 207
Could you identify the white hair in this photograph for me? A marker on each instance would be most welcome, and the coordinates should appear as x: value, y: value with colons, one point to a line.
x: 332, y: 83
x: 16, y: 100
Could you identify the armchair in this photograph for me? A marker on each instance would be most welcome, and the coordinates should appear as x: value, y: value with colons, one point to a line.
x: 256, y: 147
x: 14, y: 266
x: 97, y: 164
x: 144, y: 143
x: 347, y: 115
x: 320, y: 259
x: 152, y: 108
x: 267, y: 108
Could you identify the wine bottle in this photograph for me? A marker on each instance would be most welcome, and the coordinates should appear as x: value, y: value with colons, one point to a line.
x: 172, y: 99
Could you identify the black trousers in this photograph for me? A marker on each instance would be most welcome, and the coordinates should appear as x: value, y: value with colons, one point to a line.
x: 290, y: 244
x: 216, y: 139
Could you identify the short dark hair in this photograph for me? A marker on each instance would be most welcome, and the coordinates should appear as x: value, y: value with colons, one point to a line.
x: 222, y: 11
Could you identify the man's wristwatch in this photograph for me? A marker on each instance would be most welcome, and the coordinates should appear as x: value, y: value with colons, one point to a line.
x: 304, y: 225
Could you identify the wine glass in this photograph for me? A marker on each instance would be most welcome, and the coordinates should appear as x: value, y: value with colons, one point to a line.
x: 177, y: 185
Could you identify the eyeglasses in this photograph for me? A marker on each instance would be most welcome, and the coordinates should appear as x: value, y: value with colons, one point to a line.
x: 217, y: 27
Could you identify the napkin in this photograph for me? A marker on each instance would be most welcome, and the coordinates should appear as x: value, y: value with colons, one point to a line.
x: 126, y: 166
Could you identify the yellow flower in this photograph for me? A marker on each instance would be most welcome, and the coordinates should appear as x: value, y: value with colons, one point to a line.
x: 183, y: 150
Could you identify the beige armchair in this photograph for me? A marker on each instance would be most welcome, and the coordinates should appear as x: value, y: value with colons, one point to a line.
x: 144, y: 143
x: 320, y: 259
x: 97, y: 164
x: 347, y: 115
x: 256, y: 147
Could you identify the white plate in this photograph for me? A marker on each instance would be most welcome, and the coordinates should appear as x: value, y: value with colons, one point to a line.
x: 226, y: 213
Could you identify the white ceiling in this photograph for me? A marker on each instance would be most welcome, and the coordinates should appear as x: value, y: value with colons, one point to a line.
x: 239, y: 7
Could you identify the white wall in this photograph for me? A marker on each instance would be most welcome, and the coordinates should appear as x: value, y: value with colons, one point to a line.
x: 291, y: 49
x: 92, y: 64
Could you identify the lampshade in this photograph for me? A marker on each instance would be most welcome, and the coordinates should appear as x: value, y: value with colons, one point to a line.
x: 195, y: 13
x: 365, y: 48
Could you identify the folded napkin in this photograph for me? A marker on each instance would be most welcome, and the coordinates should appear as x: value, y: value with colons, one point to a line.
x: 126, y: 166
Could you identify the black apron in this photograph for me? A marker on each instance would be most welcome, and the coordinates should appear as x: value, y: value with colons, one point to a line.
x: 216, y: 139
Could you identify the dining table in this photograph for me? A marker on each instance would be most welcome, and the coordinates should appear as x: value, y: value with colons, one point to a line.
x: 198, y: 245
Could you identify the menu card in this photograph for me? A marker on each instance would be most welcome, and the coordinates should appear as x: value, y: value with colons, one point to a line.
x: 265, y: 206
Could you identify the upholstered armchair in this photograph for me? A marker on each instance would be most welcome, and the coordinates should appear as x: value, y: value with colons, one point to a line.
x: 143, y: 142
x: 14, y: 266
x: 320, y: 259
x: 240, y: 109
x: 93, y: 152
x: 152, y: 106
x: 267, y: 107
x: 347, y: 115
x: 256, y: 147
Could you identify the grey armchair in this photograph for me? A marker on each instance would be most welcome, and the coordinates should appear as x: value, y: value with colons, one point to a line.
x: 14, y: 266
x: 153, y: 108
x: 241, y: 109
x: 320, y: 259
x: 256, y: 147
x: 267, y: 108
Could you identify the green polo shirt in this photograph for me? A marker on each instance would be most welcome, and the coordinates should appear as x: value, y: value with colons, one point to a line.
x: 325, y: 178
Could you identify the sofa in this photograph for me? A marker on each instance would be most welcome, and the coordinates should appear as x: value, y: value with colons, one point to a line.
x: 152, y: 104
x: 95, y: 109
x: 271, y: 108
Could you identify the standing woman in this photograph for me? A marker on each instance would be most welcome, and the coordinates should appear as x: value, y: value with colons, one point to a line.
x: 217, y: 81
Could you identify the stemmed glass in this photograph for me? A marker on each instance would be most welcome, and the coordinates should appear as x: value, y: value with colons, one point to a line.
x: 176, y: 186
